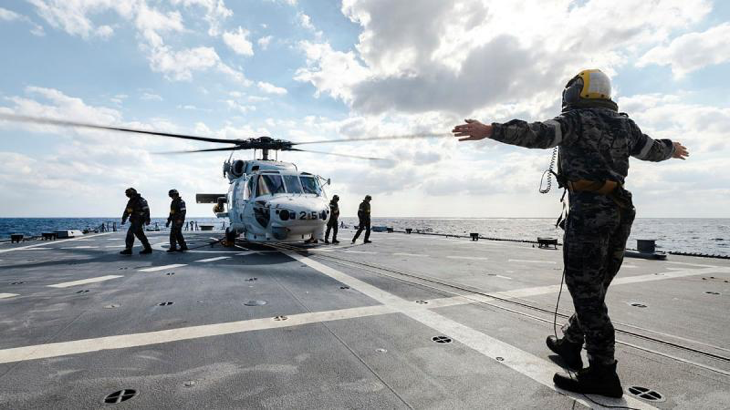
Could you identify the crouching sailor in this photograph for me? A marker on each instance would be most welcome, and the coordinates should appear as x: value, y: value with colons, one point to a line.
x: 138, y: 213
x: 177, y: 219
x: 595, y: 142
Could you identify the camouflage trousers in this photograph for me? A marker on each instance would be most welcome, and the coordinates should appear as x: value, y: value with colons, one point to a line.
x: 595, y: 239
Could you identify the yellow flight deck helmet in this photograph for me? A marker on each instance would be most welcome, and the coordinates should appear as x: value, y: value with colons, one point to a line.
x: 588, y: 89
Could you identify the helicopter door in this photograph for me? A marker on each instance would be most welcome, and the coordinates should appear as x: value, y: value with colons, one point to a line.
x: 246, y: 211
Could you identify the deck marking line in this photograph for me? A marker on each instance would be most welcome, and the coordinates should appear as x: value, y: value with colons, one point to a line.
x: 531, y: 261
x: 85, y: 281
x: 469, y: 258
x: 362, y: 252
x: 503, y: 277
x: 81, y: 247
x: 409, y: 254
x: 159, y: 268
x: 7, y: 295
x: 219, y: 258
x: 48, y: 350
x: 539, y: 370
x: 692, y: 264
x: 46, y: 243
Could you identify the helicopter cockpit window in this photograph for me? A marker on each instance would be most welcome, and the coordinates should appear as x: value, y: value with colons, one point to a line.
x: 293, y: 186
x: 310, y: 185
x: 270, y: 185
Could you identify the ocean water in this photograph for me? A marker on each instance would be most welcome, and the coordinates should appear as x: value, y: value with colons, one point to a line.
x: 687, y: 235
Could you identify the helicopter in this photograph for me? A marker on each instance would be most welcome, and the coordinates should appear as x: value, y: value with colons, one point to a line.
x: 267, y: 200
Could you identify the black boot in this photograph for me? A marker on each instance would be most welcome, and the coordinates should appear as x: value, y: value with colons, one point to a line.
x: 182, y: 249
x: 335, y: 241
x: 326, y: 241
x: 595, y: 379
x: 569, y: 352
x: 172, y: 250
x: 126, y: 252
x: 145, y: 251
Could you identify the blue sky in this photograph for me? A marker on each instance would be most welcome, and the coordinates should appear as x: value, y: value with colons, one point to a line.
x: 329, y: 69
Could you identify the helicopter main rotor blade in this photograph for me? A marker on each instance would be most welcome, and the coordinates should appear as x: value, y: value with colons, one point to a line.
x: 197, y: 150
x: 386, y: 138
x: 64, y: 123
x: 337, y: 155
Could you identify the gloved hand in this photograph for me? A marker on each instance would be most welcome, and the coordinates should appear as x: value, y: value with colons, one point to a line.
x: 147, y: 222
x: 167, y: 225
x: 124, y: 221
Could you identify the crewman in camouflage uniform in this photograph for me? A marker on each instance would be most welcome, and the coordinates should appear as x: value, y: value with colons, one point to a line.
x: 138, y: 213
x: 363, y: 214
x: 595, y: 142
x: 332, y: 222
x: 177, y: 219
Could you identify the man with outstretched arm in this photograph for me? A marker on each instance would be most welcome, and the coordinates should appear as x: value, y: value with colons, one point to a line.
x: 595, y: 142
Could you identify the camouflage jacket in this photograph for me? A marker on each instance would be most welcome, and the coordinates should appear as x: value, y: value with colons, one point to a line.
x: 334, y: 211
x: 137, y: 210
x: 177, y: 211
x: 363, y: 212
x: 594, y: 143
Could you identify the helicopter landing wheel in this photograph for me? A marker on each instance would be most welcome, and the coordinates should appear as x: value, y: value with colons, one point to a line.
x: 230, y: 237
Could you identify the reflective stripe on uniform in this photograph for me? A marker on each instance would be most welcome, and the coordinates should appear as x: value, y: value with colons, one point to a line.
x: 558, y: 138
x: 645, y: 150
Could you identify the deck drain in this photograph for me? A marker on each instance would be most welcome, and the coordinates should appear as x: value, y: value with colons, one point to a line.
x: 170, y: 273
x: 381, y: 350
x: 17, y: 283
x: 280, y: 318
x: 709, y: 292
x: 422, y: 302
x: 500, y: 358
x: 112, y: 306
x: 83, y: 291
x: 165, y: 304
x: 344, y: 287
x: 190, y: 383
x: 255, y: 303
x: 441, y: 339
x: 638, y: 305
x: 120, y: 396
x: 251, y: 279
x: 645, y: 393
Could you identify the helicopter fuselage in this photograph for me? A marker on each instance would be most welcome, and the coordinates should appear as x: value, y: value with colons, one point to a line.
x: 272, y: 201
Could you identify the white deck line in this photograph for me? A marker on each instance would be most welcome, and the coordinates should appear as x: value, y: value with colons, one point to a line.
x: 362, y: 252
x: 159, y: 268
x: 34, y: 352
x: 49, y: 243
x: 85, y: 281
x: 531, y: 261
x: 692, y: 264
x: 539, y: 370
x: 469, y: 258
x: 7, y: 295
x: 81, y: 247
x: 420, y: 255
x: 219, y: 258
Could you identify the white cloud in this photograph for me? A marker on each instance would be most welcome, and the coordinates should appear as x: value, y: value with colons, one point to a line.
x: 271, y: 88
x: 150, y: 97
x: 238, y: 41
x: 474, y: 55
x: 216, y: 12
x: 264, y: 42
x: 692, y: 51
x: 9, y: 15
x: 73, y: 16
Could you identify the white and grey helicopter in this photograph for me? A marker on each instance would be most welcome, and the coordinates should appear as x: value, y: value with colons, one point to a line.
x: 267, y: 200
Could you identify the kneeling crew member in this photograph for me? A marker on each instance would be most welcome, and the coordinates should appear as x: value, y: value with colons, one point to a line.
x: 138, y: 213
x: 332, y: 223
x: 363, y: 214
x: 595, y: 141
x: 177, y: 219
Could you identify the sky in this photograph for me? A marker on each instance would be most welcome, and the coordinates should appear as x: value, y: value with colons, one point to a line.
x: 324, y: 69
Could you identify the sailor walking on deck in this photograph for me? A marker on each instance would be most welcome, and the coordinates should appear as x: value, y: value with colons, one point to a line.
x: 177, y: 219
x: 595, y: 141
x: 332, y: 222
x: 138, y: 213
x: 363, y: 214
